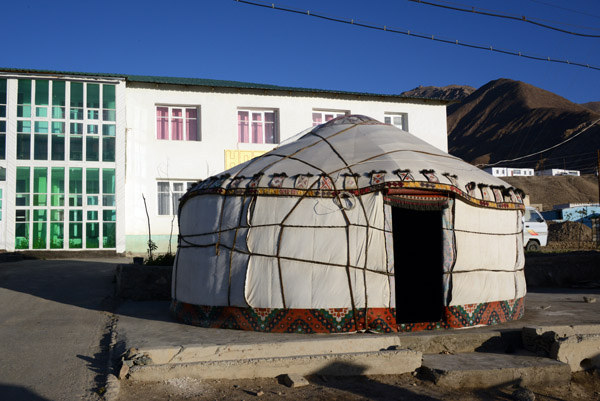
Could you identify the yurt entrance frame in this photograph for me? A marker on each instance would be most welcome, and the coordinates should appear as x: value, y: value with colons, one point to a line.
x: 417, y: 231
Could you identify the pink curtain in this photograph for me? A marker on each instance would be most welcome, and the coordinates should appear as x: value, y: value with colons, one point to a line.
x: 162, y: 123
x: 191, y: 120
x: 243, y: 127
x: 257, y: 128
x: 317, y: 119
x: 176, y: 124
x: 270, y: 136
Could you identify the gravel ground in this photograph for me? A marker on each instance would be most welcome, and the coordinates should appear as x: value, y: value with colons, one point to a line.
x: 584, y: 386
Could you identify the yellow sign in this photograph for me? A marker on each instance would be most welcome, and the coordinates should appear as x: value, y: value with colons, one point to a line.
x: 235, y: 157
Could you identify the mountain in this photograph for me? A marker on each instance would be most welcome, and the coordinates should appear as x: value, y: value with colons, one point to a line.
x: 450, y: 92
x: 506, y: 119
x: 594, y: 106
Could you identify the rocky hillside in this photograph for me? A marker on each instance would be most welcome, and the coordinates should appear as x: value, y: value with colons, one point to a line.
x: 506, y: 119
x: 549, y: 191
x: 450, y: 92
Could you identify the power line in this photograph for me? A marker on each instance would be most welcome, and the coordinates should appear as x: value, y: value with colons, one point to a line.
x: 565, y: 8
x: 474, y: 10
x: 434, y: 38
x: 544, y: 150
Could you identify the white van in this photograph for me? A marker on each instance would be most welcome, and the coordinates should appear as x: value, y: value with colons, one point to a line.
x: 535, y: 230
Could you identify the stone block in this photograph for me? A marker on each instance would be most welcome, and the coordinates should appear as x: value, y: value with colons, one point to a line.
x: 294, y: 380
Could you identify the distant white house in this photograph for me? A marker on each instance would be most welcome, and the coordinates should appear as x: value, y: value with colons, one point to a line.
x: 558, y: 171
x: 87, y: 159
x: 509, y: 172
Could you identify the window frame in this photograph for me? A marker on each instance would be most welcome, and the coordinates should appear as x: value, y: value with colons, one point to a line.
x: 391, y: 115
x: 263, y: 124
x: 170, y: 119
x: 324, y: 113
x: 172, y: 202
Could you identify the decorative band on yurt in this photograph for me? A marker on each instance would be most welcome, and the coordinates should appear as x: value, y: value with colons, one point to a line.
x: 416, y: 199
x: 341, y: 320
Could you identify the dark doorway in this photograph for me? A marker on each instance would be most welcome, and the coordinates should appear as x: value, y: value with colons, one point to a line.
x: 418, y: 265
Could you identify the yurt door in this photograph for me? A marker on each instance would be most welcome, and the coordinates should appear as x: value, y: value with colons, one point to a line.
x: 418, y: 264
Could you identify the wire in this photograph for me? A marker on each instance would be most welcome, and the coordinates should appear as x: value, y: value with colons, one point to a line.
x: 564, y: 8
x: 385, y: 28
x: 473, y: 10
x: 544, y: 150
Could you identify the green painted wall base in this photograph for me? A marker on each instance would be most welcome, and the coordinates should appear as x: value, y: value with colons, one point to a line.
x: 139, y: 243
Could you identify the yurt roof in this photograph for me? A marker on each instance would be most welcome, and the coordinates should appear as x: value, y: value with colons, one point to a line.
x: 354, y: 154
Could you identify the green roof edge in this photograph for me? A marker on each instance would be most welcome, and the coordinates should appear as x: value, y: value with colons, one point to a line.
x: 212, y: 83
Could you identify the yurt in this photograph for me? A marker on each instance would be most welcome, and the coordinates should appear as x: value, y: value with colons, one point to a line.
x: 354, y: 225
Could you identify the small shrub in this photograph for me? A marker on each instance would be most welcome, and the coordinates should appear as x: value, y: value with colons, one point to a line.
x: 166, y: 259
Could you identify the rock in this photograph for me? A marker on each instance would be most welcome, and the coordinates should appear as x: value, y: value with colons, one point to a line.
x: 130, y: 353
x: 124, y: 371
x: 295, y: 380
x: 523, y: 394
x: 259, y: 393
x: 143, y: 360
x: 589, y: 300
x: 128, y: 362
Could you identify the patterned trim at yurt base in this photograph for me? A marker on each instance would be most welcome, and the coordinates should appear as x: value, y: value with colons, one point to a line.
x: 340, y: 320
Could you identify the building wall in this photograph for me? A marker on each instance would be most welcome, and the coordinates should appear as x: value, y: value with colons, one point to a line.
x: 40, y: 209
x: 150, y: 160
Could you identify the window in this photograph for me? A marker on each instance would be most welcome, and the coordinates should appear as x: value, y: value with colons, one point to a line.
x: 48, y: 125
x: 59, y: 207
x: 322, y: 116
x: 399, y: 120
x: 169, y: 193
x: 532, y: 216
x: 256, y: 126
x: 177, y: 123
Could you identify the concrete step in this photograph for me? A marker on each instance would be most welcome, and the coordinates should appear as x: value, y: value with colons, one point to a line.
x: 457, y: 342
x: 342, y: 364
x: 484, y: 370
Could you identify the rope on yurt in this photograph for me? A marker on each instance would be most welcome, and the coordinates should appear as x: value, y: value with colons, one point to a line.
x: 290, y: 258
x: 348, y: 224
x: 279, y: 239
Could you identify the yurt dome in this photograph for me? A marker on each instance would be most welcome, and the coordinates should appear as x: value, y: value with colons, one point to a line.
x: 356, y: 225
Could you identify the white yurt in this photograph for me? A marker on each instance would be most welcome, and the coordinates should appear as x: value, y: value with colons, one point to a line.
x: 353, y: 225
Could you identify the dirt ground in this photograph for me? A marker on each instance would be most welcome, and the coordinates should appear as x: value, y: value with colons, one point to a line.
x: 584, y: 386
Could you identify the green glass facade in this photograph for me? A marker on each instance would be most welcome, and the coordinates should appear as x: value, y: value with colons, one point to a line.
x: 66, y: 164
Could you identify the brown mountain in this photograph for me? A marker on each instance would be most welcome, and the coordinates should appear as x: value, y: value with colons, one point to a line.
x: 594, y: 106
x: 450, y: 92
x: 506, y: 119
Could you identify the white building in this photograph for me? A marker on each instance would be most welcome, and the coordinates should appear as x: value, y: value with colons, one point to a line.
x: 509, y: 172
x: 84, y: 157
x: 558, y: 171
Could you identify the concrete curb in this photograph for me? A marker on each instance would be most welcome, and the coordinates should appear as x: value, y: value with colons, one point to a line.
x: 112, y: 385
x: 348, y: 364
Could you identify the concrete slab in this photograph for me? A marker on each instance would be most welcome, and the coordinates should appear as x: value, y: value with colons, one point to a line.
x: 148, y: 327
x: 348, y: 364
x: 484, y: 370
x: 580, y: 352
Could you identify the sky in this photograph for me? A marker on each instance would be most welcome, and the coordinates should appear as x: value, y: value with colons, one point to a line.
x: 229, y: 40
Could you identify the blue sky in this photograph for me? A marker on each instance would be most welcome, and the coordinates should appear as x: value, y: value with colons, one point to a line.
x: 224, y: 39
